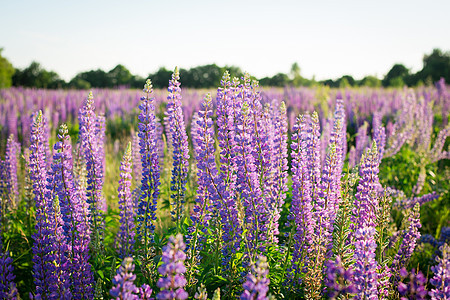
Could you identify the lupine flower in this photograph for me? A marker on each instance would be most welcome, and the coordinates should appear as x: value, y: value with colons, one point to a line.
x: 366, y: 201
x: 301, y: 207
x: 123, y: 282
x: 145, y: 292
x: 172, y: 269
x: 410, y: 237
x: 338, y: 280
x: 177, y: 130
x: 379, y: 134
x: 441, y: 278
x: 126, y: 232
x: 136, y: 157
x: 256, y: 215
x: 279, y: 169
x: 328, y: 193
x: 410, y: 203
x: 415, y: 287
x: 93, y: 157
x: 207, y: 175
x: 8, y: 288
x: 10, y: 163
x: 74, y: 212
x: 362, y: 140
x: 146, y: 214
x: 365, y: 266
x: 201, y: 294
x: 224, y: 202
x: 44, y: 240
x: 257, y: 284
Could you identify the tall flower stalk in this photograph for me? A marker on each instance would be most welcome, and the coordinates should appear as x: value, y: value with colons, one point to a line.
x: 126, y: 233
x: 172, y: 270
x: 75, y: 216
x: 146, y: 214
x: 224, y: 197
x: 177, y: 131
x: 207, y: 183
x: 94, y: 166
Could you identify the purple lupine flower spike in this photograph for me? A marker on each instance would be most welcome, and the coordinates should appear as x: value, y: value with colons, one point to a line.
x: 301, y: 208
x: 172, y: 270
x: 415, y: 287
x: 12, y: 186
x: 257, y: 284
x: 410, y: 237
x: 74, y: 212
x: 441, y: 278
x: 137, y: 164
x: 177, y: 130
x: 279, y: 167
x: 126, y: 232
x: 123, y: 283
x: 207, y: 174
x: 366, y: 201
x: 8, y: 288
x: 146, y: 214
x: 365, y: 266
x: 224, y: 201
x: 93, y: 158
x: 338, y: 280
x: 43, y: 265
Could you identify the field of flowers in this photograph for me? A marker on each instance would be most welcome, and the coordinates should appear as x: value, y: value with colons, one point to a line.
x: 241, y: 193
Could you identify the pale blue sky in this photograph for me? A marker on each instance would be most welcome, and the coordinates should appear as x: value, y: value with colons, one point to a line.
x: 327, y: 38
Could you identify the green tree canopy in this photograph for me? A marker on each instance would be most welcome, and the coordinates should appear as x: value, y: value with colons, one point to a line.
x: 36, y: 76
x: 397, y: 71
x: 6, y: 72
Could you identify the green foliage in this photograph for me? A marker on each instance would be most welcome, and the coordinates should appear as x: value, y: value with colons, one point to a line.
x: 6, y: 72
x: 370, y: 81
x: 36, y: 76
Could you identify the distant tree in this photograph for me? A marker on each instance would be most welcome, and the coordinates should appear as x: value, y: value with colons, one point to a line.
x: 161, y: 78
x: 96, y: 78
x: 330, y: 82
x: 120, y: 76
x: 279, y: 80
x: 370, y: 81
x: 79, y: 84
x: 137, y: 82
x: 435, y: 66
x: 36, y: 76
x: 346, y: 81
x: 398, y: 70
x: 6, y: 72
x: 397, y: 82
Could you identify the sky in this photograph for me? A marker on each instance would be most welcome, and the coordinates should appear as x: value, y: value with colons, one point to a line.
x: 327, y: 39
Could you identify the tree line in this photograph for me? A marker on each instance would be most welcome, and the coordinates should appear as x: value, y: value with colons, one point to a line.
x: 435, y: 66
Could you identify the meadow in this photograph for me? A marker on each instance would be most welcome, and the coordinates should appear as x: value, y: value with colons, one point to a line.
x: 241, y: 192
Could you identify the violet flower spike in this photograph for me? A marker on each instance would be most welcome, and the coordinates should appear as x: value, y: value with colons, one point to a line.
x: 207, y: 178
x: 177, y: 130
x: 172, y: 269
x: 441, y: 278
x: 415, y: 288
x: 224, y: 201
x: 257, y: 284
x: 75, y: 217
x: 126, y: 232
x: 149, y: 192
x: 365, y: 266
x: 410, y: 238
x: 123, y: 282
x: 94, y: 163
